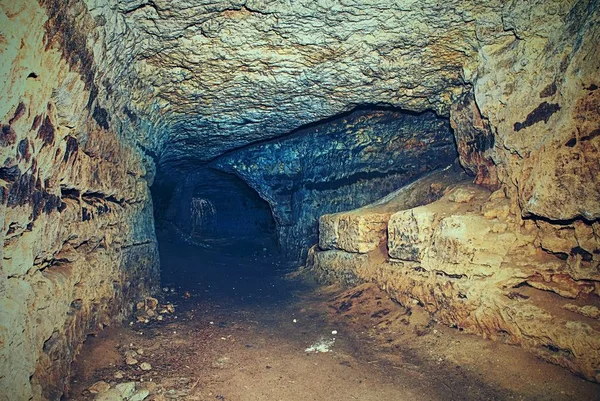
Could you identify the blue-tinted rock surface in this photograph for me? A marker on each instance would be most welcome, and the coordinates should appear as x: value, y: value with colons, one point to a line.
x: 210, y: 204
x: 339, y: 164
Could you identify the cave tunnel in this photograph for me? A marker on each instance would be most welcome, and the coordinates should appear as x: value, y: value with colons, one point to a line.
x: 333, y: 165
x: 270, y: 200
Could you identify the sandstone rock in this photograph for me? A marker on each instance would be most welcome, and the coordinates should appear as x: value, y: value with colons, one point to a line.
x: 364, y: 230
x: 461, y: 195
x: 464, y: 268
x: 139, y: 395
x: 590, y: 311
x: 99, y: 387
x: 359, y: 233
x: 409, y: 233
x: 77, y: 229
x: 121, y: 392
x: 130, y: 358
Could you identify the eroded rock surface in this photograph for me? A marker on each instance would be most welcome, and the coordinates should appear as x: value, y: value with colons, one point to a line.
x: 475, y: 266
x: 77, y: 228
x: 339, y: 165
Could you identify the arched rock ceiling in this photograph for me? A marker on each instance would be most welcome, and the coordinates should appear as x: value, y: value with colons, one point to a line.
x: 222, y: 74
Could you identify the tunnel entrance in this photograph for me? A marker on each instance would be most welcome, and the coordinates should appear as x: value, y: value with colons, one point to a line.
x: 211, y: 206
x: 215, y: 233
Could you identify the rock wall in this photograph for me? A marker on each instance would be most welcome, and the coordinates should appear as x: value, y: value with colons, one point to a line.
x: 339, y: 164
x: 520, y: 264
x: 456, y: 249
x: 78, y: 242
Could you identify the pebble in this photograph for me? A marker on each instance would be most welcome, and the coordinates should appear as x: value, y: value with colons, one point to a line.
x: 145, y: 366
x: 139, y: 396
x: 99, y: 387
x: 334, y: 332
x: 118, y: 375
x: 295, y: 321
x: 130, y: 360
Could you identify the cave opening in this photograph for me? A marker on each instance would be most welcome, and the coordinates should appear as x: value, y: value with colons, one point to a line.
x: 213, y: 231
x: 256, y: 208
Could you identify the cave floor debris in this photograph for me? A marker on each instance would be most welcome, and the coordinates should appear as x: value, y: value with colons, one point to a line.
x: 242, y: 323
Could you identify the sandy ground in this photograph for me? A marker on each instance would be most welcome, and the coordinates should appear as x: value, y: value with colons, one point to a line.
x: 242, y: 325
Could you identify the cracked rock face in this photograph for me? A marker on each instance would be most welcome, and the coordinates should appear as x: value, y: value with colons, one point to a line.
x: 226, y: 73
x: 76, y: 216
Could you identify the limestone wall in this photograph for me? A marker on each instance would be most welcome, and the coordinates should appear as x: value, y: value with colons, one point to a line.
x: 75, y: 212
x: 473, y: 264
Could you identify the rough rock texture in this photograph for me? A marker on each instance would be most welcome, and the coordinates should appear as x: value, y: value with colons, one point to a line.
x: 473, y: 264
x: 78, y: 242
x: 92, y: 89
x: 339, y: 165
x: 233, y: 72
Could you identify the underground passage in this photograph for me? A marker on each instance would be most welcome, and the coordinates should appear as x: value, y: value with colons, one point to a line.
x: 299, y: 200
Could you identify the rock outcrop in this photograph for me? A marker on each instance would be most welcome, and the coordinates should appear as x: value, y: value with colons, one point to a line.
x: 471, y: 263
x: 338, y: 165
x: 77, y: 228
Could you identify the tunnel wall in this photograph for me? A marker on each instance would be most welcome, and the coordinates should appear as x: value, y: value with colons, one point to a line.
x: 521, y: 263
x: 339, y: 164
x: 76, y: 215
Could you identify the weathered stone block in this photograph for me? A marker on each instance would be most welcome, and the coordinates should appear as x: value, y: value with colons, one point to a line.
x: 409, y: 233
x: 352, y: 232
x: 466, y: 245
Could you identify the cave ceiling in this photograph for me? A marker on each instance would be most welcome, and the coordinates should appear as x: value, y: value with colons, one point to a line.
x: 218, y: 75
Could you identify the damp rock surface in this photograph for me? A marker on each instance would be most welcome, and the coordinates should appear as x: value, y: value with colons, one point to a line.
x: 338, y: 165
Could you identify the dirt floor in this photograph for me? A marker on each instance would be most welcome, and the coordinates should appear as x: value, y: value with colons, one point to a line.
x: 242, y: 327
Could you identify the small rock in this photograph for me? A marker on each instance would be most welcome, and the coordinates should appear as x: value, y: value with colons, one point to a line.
x: 130, y: 360
x: 145, y: 366
x: 151, y: 303
x: 139, y: 396
x: 140, y: 351
x: 159, y: 318
x: 126, y: 389
x: 99, y: 387
x: 461, y: 195
x: 118, y: 375
x: 334, y: 332
x: 122, y: 391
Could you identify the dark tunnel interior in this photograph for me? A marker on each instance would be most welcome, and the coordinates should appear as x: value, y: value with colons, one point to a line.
x: 265, y: 199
